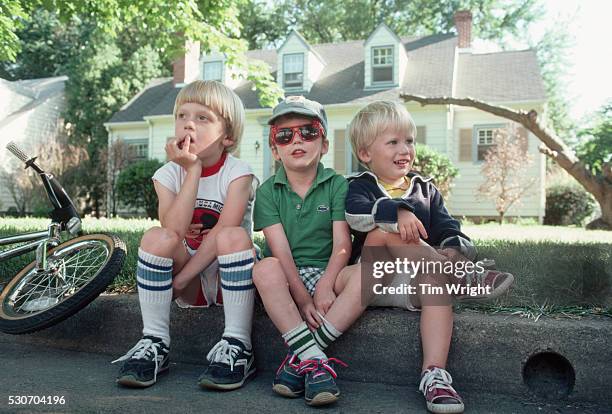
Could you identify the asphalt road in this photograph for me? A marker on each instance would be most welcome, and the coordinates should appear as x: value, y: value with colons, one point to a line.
x: 86, y: 383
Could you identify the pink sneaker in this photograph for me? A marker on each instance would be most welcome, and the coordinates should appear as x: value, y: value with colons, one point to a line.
x: 439, y: 394
x: 497, y: 282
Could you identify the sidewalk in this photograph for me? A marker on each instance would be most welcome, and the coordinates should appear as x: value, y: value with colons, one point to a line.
x: 489, y: 353
x: 86, y: 381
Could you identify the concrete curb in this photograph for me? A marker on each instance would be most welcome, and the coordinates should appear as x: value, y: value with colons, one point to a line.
x: 501, y: 353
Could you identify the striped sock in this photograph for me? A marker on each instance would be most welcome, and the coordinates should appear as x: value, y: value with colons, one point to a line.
x: 302, y: 343
x: 154, y: 277
x: 326, y: 334
x: 236, y: 271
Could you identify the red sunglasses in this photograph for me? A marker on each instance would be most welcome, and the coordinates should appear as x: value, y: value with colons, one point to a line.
x: 309, y: 132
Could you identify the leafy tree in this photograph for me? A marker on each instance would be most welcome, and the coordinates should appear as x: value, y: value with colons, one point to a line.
x: 135, y: 187
x: 596, y: 151
x: 11, y: 20
x: 322, y: 21
x: 212, y: 22
x: 101, y: 82
x: 264, y: 24
x: 46, y: 46
x: 552, y: 54
x: 430, y: 163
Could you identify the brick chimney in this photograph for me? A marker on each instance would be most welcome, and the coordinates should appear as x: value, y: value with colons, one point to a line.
x: 463, y: 21
x: 186, y: 67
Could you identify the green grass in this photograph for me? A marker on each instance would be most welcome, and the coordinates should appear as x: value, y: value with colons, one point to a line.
x: 558, y: 270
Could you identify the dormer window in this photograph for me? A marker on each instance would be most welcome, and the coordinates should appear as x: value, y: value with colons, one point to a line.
x: 293, y: 70
x: 382, y: 64
x: 213, y: 71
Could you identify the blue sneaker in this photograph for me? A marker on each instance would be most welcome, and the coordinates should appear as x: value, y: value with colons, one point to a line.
x: 143, y: 363
x: 289, y: 382
x: 320, y: 381
x: 231, y: 364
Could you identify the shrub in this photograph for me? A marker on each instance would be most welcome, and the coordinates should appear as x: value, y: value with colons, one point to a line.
x: 135, y: 187
x: 430, y: 163
x: 567, y: 204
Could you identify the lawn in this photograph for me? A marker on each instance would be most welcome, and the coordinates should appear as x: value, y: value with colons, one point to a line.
x: 557, y: 269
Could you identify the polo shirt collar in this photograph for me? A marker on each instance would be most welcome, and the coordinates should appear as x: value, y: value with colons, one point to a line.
x: 323, y: 175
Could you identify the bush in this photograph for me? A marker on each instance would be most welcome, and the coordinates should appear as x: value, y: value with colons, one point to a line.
x: 567, y: 204
x: 430, y: 163
x: 135, y: 187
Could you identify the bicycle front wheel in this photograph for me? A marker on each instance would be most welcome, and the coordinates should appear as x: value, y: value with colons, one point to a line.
x: 78, y: 270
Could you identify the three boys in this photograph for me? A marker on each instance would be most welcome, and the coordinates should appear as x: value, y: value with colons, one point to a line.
x: 307, y: 289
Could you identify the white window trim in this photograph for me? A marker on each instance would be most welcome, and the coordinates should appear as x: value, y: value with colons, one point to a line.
x: 475, y: 138
x: 133, y: 142
x: 392, y: 65
x: 294, y: 87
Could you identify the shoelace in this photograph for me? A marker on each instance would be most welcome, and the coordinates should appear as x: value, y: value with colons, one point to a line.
x: 291, y: 362
x: 143, y: 348
x: 436, y: 378
x: 319, y: 366
x: 224, y: 352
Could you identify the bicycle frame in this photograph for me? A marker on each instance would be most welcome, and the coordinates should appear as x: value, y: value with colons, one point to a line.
x: 47, y: 238
x: 64, y: 218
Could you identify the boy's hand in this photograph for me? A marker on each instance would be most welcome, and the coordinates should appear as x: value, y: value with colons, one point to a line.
x: 309, y: 314
x: 194, y: 230
x: 177, y: 150
x: 324, y: 297
x: 410, y: 227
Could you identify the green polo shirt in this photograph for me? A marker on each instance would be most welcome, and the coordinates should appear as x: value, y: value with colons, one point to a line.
x: 308, y: 223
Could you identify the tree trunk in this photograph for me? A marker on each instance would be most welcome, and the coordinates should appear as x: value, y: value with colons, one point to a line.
x: 603, y: 222
x: 554, y: 147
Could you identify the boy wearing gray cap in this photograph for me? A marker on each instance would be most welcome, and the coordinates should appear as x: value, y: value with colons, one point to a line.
x: 305, y: 288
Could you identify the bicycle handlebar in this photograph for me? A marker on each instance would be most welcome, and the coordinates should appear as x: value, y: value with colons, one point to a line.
x: 64, y: 208
x: 18, y: 152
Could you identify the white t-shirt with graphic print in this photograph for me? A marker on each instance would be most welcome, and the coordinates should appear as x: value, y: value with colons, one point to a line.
x: 212, y: 192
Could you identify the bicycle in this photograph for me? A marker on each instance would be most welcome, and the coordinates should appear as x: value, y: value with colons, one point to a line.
x: 65, y: 276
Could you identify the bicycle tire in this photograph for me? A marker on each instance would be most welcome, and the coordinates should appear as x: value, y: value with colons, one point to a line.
x: 27, y: 322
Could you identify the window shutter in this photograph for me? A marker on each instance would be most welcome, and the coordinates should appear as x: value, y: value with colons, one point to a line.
x: 465, y: 144
x: 340, y: 151
x: 421, y: 137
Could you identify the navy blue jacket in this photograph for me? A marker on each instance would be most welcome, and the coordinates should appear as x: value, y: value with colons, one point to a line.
x: 368, y: 205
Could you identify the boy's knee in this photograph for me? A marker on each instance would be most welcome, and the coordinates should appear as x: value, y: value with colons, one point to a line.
x: 160, y: 241
x: 349, y: 277
x: 232, y: 239
x: 268, y: 273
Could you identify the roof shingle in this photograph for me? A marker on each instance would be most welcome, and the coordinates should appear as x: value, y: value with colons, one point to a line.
x: 502, y: 76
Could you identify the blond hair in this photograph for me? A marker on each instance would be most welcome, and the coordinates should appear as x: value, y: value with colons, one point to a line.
x: 222, y: 100
x: 376, y: 118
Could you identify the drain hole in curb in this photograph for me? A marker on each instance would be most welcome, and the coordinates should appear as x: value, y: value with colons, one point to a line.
x: 549, y: 375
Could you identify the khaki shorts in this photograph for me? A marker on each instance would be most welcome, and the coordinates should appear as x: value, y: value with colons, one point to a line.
x: 396, y: 301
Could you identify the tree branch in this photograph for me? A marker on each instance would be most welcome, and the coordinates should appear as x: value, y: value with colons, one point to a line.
x: 555, y: 147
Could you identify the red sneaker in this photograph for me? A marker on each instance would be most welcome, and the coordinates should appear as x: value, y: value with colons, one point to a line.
x: 439, y: 394
x: 492, y: 281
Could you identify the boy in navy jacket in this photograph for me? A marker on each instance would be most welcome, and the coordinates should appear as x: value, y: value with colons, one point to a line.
x: 390, y: 208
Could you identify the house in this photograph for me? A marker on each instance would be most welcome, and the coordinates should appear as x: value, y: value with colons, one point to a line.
x: 30, y: 115
x: 344, y: 77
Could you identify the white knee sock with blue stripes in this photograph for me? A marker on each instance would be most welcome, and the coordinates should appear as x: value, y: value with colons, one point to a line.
x: 154, y: 277
x: 236, y: 271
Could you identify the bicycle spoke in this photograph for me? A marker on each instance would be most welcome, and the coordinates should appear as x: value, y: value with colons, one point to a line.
x: 74, y: 267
